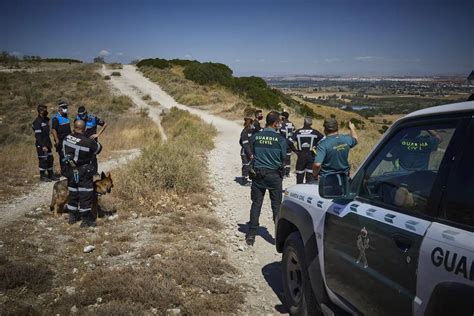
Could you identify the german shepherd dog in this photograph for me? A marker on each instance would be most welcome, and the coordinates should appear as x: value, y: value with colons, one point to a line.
x: 61, y: 194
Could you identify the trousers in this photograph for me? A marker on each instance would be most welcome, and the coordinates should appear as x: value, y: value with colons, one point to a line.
x: 45, y: 159
x: 245, y: 165
x: 304, y: 166
x: 271, y: 181
x: 81, y: 190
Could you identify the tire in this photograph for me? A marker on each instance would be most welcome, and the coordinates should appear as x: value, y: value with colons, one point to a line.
x: 299, y: 296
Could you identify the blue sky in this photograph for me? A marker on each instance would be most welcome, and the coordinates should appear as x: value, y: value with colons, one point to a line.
x: 381, y: 37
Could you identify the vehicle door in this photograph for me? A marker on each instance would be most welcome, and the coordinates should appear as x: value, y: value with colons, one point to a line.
x: 371, y: 246
x: 445, y: 281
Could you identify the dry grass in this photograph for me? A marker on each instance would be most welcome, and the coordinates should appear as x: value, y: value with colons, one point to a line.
x: 20, y: 92
x: 156, y: 255
x: 215, y: 98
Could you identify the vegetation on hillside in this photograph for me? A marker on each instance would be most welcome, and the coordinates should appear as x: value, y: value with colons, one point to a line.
x: 253, y: 88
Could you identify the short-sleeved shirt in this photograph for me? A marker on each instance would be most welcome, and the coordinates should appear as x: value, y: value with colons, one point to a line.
x: 62, y: 125
x: 269, y: 149
x: 414, y: 153
x: 333, y: 154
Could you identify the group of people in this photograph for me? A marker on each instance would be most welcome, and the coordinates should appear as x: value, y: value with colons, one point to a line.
x: 266, y: 157
x: 77, y: 150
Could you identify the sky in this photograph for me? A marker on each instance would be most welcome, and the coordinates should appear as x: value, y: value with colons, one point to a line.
x: 259, y: 37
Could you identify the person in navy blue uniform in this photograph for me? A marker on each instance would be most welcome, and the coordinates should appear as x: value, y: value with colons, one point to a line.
x: 286, y: 130
x: 92, y: 122
x: 60, y: 128
x: 246, y: 151
x: 79, y: 152
x: 43, y: 144
x: 305, y: 140
x: 256, y: 122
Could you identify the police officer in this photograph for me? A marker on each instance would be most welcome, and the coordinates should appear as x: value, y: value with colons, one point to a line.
x: 43, y: 144
x: 245, y: 151
x: 332, y: 153
x: 91, y: 127
x: 79, y: 152
x: 269, y: 151
x: 60, y: 128
x: 256, y: 122
x: 305, y: 140
x: 287, y: 129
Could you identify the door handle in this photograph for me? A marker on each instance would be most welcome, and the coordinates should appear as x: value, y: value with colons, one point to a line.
x: 403, y: 243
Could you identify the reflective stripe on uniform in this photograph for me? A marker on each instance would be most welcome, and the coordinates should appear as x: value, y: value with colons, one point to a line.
x: 300, y: 171
x: 72, y: 189
x: 82, y: 210
x: 85, y: 189
x: 308, y: 170
x: 288, y: 154
x: 37, y: 131
x: 99, y: 147
x: 245, y: 142
x: 72, y: 208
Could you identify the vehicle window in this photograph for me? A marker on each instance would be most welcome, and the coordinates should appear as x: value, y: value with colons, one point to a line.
x: 459, y: 206
x: 404, y: 171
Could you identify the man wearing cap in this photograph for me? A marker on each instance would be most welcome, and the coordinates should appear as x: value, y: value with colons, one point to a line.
x: 305, y: 140
x: 91, y: 128
x: 269, y: 152
x: 43, y: 144
x: 60, y: 128
x: 286, y: 130
x: 332, y: 152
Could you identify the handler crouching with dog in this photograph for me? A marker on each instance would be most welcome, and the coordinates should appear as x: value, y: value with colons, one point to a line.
x: 269, y: 151
x: 79, y: 152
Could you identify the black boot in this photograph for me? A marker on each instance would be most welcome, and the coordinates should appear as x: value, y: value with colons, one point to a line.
x: 43, y: 177
x: 88, y: 220
x: 52, y: 176
x: 250, y: 238
x: 74, y: 217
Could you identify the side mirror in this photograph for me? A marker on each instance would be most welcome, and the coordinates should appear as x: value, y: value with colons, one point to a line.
x: 333, y: 186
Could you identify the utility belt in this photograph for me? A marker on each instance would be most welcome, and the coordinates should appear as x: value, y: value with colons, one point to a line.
x: 78, y: 172
x: 261, y: 173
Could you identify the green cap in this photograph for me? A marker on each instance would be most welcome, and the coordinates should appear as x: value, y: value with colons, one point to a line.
x: 331, y: 124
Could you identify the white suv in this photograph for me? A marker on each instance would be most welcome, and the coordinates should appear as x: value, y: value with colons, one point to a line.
x: 395, y: 239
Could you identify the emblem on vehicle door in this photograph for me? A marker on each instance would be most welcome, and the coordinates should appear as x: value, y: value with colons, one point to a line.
x: 362, y: 245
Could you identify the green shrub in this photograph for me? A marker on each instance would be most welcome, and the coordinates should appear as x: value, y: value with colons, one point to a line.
x: 106, y: 77
x: 116, y: 74
x: 154, y: 62
x: 209, y: 73
x: 120, y: 104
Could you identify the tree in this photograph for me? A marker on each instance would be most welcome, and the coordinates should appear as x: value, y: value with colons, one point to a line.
x: 99, y: 60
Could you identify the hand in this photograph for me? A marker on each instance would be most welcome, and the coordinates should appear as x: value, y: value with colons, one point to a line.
x: 251, y: 157
x: 94, y: 136
x: 45, y: 149
x: 351, y: 125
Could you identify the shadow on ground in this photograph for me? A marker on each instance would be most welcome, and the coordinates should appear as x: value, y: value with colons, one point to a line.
x: 261, y: 231
x: 272, y: 274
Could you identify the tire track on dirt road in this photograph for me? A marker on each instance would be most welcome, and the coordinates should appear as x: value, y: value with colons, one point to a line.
x: 260, y: 264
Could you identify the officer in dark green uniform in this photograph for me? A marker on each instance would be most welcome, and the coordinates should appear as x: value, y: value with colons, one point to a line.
x: 269, y: 151
x: 332, y: 152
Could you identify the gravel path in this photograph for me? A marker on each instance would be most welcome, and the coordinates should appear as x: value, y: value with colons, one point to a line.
x: 260, y: 264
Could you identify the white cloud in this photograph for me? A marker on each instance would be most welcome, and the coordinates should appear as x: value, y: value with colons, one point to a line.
x: 104, y: 53
x: 332, y: 60
x: 119, y: 54
x: 368, y: 58
x: 237, y: 60
x: 188, y: 56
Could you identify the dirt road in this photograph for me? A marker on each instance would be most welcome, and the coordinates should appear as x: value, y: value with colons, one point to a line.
x: 259, y: 264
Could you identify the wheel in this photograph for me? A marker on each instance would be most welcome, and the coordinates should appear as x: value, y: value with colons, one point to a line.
x: 299, y: 296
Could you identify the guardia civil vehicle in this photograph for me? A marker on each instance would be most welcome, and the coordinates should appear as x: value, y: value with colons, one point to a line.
x: 397, y: 238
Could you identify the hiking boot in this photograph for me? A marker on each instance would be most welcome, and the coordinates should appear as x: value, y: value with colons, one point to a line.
x: 44, y: 178
x: 52, y: 176
x: 74, y: 217
x: 88, y: 220
x: 250, y: 239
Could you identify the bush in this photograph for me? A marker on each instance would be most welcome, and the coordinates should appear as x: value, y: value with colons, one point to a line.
x: 106, y: 77
x: 156, y: 62
x: 209, y: 73
x: 116, y: 74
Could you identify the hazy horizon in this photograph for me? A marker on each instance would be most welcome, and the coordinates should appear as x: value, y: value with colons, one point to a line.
x: 265, y: 38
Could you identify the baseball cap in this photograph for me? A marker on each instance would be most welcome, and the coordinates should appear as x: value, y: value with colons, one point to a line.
x: 63, y: 104
x: 331, y: 124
